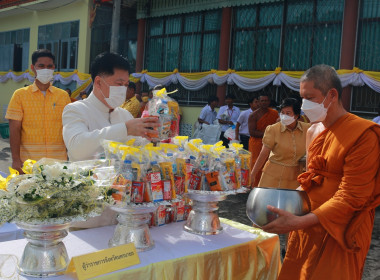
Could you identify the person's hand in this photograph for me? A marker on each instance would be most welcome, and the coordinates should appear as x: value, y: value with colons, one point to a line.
x: 285, y: 223
x: 253, y: 177
x: 230, y: 123
x: 17, y: 164
x: 141, y: 127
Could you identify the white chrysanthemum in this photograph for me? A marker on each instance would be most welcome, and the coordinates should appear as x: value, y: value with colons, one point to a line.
x: 53, y: 172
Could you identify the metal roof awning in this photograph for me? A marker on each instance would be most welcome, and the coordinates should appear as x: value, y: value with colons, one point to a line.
x: 38, y: 6
x: 157, y: 8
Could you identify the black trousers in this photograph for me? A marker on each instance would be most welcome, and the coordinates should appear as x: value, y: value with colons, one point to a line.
x: 244, y: 140
x: 224, y: 139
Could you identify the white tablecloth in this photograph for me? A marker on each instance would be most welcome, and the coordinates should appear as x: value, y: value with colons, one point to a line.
x: 171, y: 242
x: 10, y: 232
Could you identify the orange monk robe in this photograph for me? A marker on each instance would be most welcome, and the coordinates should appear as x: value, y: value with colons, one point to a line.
x: 343, y: 184
x: 255, y: 144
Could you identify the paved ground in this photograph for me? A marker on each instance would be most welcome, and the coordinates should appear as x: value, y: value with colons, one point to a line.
x: 234, y: 209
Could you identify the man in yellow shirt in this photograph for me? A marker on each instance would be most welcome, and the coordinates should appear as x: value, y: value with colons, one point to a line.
x: 131, y: 103
x: 35, y: 115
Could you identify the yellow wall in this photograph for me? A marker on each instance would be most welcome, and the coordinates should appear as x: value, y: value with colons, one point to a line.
x: 190, y: 114
x: 79, y: 10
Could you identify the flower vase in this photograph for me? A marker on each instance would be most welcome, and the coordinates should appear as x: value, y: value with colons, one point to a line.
x: 45, y: 254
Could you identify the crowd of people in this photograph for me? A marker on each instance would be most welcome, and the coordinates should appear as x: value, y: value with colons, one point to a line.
x: 342, y: 178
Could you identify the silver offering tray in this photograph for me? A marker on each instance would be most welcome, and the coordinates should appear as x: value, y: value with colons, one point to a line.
x: 203, y: 218
x: 133, y: 226
x: 45, y: 254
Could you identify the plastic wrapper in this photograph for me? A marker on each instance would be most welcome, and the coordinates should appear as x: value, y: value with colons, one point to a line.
x: 166, y: 110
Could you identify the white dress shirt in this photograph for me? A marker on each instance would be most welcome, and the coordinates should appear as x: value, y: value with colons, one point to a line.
x: 243, y: 120
x: 87, y: 122
x: 227, y: 114
x: 207, y: 114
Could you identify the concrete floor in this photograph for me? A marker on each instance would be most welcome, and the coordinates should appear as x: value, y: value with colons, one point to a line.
x: 234, y: 209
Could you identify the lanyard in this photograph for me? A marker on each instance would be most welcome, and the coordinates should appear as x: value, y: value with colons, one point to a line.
x: 228, y: 111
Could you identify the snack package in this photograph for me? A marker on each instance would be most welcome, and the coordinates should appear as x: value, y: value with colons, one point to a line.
x: 213, y: 181
x: 160, y: 215
x: 154, y: 177
x: 245, y: 160
x: 180, y: 210
x: 167, y: 177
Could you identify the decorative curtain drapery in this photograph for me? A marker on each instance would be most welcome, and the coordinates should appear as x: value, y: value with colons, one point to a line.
x: 83, y: 80
x: 251, y: 80
x: 246, y: 80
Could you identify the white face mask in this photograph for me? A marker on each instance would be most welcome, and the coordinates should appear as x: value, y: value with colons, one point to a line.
x: 116, y: 96
x: 316, y: 112
x: 286, y: 120
x: 44, y: 75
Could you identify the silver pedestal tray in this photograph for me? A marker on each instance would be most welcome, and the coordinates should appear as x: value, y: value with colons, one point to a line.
x: 133, y: 227
x: 45, y: 254
x: 203, y: 218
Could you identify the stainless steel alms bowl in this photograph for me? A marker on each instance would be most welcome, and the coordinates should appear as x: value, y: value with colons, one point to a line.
x: 296, y: 202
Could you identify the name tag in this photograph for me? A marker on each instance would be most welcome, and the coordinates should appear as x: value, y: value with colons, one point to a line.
x: 104, y: 261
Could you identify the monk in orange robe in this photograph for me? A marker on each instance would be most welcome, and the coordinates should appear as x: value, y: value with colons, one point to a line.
x: 343, y: 184
x: 257, y: 123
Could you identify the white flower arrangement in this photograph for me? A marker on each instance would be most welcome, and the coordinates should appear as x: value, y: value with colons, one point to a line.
x: 57, y: 193
x: 7, y: 207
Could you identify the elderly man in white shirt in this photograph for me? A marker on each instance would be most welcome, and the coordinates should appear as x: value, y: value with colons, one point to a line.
x: 228, y: 116
x: 208, y: 113
x: 87, y: 122
x: 241, y: 129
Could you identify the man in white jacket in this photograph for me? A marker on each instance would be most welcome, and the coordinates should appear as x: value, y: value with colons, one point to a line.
x: 87, y: 122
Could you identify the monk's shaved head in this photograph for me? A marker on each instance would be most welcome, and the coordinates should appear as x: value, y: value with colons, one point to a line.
x: 324, y: 78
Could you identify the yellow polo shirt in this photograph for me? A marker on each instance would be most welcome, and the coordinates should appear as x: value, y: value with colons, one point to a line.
x: 41, y: 117
x: 132, y: 105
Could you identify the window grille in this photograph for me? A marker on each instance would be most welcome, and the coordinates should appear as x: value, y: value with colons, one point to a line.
x: 62, y: 40
x: 188, y: 42
x: 14, y: 50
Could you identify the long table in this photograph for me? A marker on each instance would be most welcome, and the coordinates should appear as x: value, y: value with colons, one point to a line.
x: 10, y: 232
x: 239, y: 252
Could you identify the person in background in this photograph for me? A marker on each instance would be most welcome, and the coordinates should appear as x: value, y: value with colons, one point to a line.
x: 342, y: 183
x: 227, y: 116
x: 285, y: 144
x: 131, y: 103
x: 69, y: 93
x: 144, y: 101
x: 208, y: 113
x: 82, y: 95
x: 242, y: 122
x: 257, y: 123
x: 35, y: 115
x: 377, y: 119
x: 138, y: 97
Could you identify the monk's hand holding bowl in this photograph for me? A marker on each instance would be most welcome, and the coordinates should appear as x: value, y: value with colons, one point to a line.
x: 287, y: 222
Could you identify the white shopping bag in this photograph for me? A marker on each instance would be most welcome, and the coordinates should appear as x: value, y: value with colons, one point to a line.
x: 209, y: 133
x: 230, y: 133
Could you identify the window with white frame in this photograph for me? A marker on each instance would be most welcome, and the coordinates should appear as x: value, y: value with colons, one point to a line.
x: 62, y: 40
x: 14, y: 50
